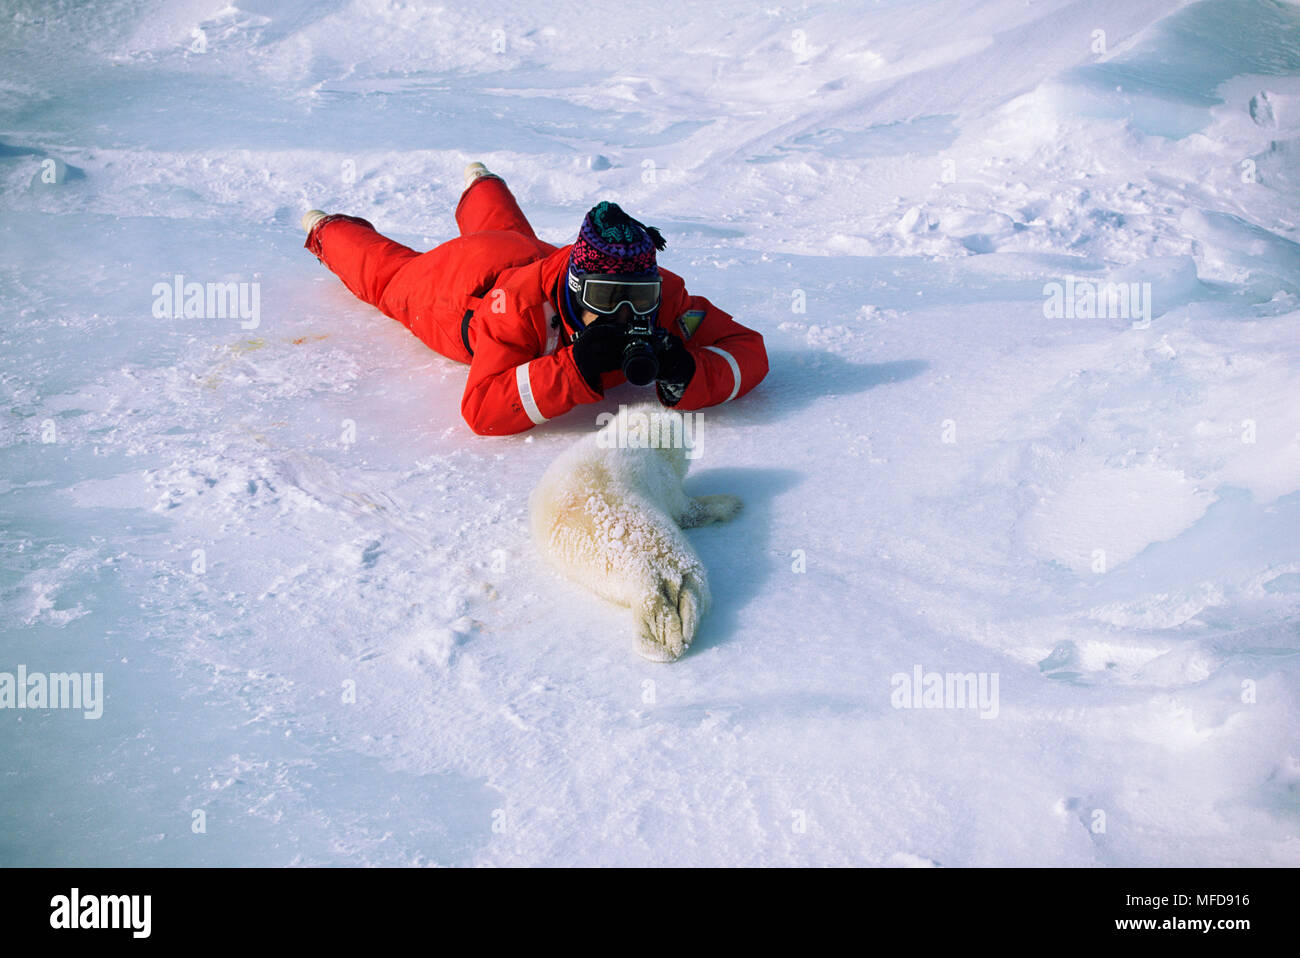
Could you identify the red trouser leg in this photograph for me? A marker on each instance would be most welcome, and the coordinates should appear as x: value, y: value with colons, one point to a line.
x: 488, y: 204
x: 428, y: 292
x: 356, y: 252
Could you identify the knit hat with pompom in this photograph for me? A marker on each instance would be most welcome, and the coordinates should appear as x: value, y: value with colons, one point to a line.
x: 610, y: 241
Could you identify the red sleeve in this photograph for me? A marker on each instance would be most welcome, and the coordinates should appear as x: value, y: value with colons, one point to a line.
x: 730, y: 359
x: 512, y: 386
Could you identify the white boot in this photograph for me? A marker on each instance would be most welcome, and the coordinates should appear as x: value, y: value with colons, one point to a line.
x: 311, y: 218
x: 476, y: 171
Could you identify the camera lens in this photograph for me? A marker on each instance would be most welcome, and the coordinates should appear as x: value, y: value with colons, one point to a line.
x: 639, y: 363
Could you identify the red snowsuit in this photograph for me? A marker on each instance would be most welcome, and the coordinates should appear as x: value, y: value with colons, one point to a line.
x: 488, y: 298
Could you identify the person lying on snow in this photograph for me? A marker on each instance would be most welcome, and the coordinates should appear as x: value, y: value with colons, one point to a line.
x: 544, y: 328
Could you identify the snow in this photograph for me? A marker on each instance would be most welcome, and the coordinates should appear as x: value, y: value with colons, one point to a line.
x: 312, y: 592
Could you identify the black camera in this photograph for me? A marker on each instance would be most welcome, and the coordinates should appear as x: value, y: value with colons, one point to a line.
x: 643, y: 338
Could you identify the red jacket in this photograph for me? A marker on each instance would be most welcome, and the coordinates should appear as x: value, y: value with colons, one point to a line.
x: 520, y: 355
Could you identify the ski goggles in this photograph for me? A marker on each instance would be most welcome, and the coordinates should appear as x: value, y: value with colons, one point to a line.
x: 604, y: 293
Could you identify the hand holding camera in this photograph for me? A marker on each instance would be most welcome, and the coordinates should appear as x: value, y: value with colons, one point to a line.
x: 598, y: 349
x: 644, y: 352
x: 676, y: 364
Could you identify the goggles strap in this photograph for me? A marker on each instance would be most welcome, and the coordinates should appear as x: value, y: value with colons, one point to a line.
x: 571, y: 311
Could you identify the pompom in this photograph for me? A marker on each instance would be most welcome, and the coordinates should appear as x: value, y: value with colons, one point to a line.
x: 612, y: 224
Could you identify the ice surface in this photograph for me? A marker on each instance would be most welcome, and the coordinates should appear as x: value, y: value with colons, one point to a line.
x: 310, y: 588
